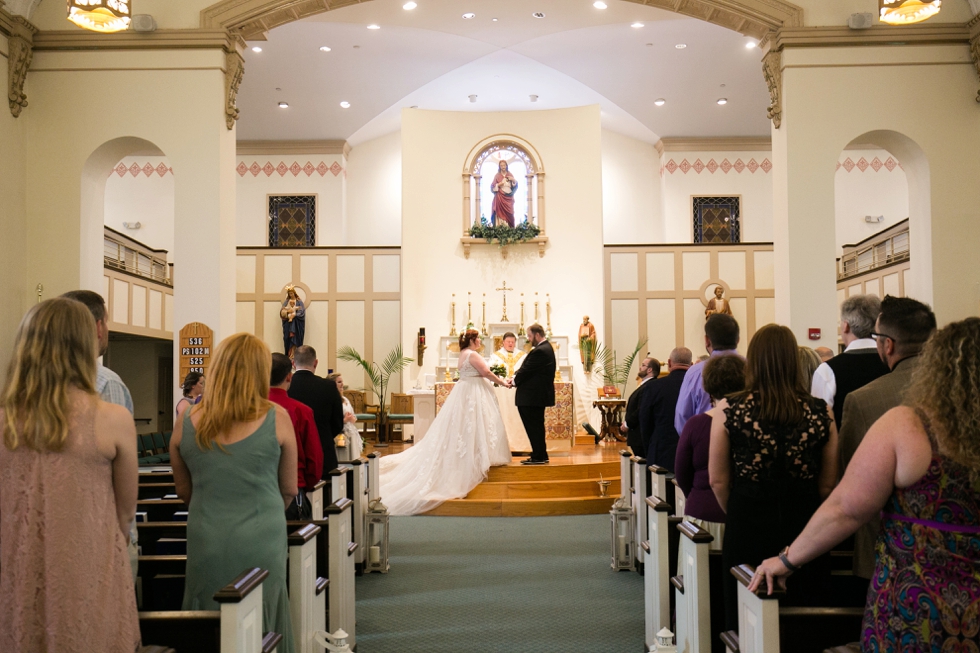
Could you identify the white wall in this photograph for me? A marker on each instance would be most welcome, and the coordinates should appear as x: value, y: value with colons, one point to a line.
x: 146, y: 197
x: 434, y: 147
x: 747, y: 174
x: 374, y: 192
x: 632, y: 206
x: 868, y: 182
x: 258, y: 176
x: 16, y: 288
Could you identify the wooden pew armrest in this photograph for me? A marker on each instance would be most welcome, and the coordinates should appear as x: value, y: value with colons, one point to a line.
x: 242, y: 586
x: 730, y: 639
x: 270, y: 642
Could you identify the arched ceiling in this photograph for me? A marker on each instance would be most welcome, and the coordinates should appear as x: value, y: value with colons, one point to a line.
x: 432, y: 58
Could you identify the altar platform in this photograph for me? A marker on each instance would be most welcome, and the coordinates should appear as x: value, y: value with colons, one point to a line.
x: 568, y: 485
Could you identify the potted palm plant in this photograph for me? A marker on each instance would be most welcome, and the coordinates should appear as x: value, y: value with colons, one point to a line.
x: 380, y: 376
x: 614, y: 373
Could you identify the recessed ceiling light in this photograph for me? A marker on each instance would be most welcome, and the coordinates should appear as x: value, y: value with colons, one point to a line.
x: 408, y: 6
x: 373, y: 26
x: 534, y: 98
x: 637, y: 25
x: 256, y: 49
x: 283, y: 105
x: 660, y: 102
x: 681, y: 46
x: 494, y: 19
x: 599, y: 4
x: 538, y: 14
x: 345, y: 104
x: 472, y: 98
x: 723, y: 100
x: 751, y: 43
x: 469, y: 15
x: 324, y: 48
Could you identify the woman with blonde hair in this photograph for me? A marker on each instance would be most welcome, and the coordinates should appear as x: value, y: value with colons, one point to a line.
x: 919, y: 466
x: 809, y: 362
x: 68, y: 475
x: 234, y: 461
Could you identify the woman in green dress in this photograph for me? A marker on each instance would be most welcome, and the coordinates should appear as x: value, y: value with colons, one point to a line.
x: 234, y: 461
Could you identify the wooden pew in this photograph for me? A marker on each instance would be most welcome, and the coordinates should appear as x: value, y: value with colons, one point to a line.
x: 656, y: 576
x: 335, y: 560
x: 639, y: 481
x: 160, y: 509
x: 236, y: 626
x: 308, y: 614
x: 765, y: 627
x: 156, y: 474
x: 357, y: 491
x: 692, y: 590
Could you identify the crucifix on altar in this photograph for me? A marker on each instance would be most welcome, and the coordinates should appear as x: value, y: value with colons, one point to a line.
x: 504, y: 288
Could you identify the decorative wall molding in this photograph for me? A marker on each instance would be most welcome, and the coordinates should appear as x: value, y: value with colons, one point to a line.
x: 161, y: 39
x: 863, y: 165
x: 831, y: 37
x: 974, y: 26
x: 296, y: 168
x: 20, y: 35
x: 147, y: 169
x: 712, y: 166
x: 772, y: 71
x: 252, y: 19
x: 234, y: 72
x: 711, y: 144
x: 274, y: 148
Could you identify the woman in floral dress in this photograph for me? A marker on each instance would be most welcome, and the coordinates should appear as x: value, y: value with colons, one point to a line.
x: 919, y: 465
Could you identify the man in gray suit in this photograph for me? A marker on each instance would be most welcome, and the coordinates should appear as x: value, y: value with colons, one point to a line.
x: 902, y: 328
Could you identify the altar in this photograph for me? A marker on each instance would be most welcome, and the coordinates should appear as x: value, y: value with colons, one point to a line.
x: 559, y: 420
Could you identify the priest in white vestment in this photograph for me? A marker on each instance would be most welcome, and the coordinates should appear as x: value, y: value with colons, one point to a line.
x: 510, y: 357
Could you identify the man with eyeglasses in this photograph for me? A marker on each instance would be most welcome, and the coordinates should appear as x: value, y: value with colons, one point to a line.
x: 901, y: 330
x: 860, y: 364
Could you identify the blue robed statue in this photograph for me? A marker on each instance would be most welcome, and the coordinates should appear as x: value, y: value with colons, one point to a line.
x: 293, y: 314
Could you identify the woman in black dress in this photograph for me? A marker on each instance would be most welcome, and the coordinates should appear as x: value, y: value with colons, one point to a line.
x: 772, y: 461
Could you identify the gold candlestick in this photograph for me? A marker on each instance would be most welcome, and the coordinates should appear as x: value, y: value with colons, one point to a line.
x: 469, y: 310
x: 535, y: 308
x: 483, y: 326
x: 520, y: 327
x: 548, y: 309
x: 452, y: 323
x: 40, y: 292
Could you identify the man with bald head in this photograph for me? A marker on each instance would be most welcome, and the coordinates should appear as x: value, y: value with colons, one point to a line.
x: 657, y: 408
x: 825, y: 353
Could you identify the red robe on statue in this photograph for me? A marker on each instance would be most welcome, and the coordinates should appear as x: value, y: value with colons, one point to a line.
x: 503, y: 201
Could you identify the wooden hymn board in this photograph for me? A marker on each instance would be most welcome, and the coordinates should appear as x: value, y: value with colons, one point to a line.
x: 196, y: 341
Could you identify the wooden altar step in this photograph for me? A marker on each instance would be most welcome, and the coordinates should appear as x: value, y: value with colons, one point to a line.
x: 567, y: 486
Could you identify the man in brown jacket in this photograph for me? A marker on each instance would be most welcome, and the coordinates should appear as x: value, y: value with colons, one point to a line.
x: 901, y: 330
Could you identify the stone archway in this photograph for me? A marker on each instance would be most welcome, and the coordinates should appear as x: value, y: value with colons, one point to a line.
x: 252, y: 19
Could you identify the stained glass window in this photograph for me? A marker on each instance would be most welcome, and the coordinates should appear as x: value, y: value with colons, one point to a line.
x: 716, y: 220
x: 292, y: 220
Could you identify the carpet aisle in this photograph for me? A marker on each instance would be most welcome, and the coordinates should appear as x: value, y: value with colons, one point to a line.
x: 496, y: 585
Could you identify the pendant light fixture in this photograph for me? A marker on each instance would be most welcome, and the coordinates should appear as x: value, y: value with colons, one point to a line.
x: 907, y: 12
x: 100, y: 15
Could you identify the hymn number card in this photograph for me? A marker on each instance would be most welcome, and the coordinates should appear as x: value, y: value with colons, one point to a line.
x: 196, y: 341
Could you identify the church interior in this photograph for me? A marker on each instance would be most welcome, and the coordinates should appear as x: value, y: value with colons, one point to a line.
x: 779, y: 156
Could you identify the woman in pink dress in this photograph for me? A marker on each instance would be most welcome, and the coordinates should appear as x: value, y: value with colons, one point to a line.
x: 503, y: 187
x: 68, y: 476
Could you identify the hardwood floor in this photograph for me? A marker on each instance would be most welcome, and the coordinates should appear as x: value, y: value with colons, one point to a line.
x: 568, y: 485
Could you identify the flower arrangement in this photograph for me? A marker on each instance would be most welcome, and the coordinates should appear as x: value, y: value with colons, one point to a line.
x: 499, y: 370
x: 505, y: 234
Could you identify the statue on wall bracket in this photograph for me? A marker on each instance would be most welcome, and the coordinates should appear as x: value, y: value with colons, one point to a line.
x: 293, y: 315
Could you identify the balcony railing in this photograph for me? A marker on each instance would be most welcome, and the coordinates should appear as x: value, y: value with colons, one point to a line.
x: 123, y: 253
x: 874, y: 255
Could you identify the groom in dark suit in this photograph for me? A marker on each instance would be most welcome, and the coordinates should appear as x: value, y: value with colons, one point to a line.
x: 323, y: 397
x: 535, y: 383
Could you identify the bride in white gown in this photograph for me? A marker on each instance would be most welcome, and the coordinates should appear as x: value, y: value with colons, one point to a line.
x: 464, y: 440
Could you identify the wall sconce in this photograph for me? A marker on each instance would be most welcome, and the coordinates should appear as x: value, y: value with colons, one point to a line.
x: 907, y: 12
x: 100, y: 15
x: 421, y: 344
x: 133, y: 225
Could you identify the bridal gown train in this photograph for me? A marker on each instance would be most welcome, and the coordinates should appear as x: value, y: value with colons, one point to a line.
x: 464, y: 440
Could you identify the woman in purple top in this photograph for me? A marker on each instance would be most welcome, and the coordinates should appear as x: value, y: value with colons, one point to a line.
x: 723, y: 375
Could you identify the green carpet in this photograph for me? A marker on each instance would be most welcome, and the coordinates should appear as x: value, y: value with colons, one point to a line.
x: 488, y: 585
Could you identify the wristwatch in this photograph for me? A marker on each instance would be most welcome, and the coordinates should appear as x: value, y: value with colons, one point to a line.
x: 785, y: 560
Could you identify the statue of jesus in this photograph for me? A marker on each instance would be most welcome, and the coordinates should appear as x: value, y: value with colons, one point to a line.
x: 503, y: 187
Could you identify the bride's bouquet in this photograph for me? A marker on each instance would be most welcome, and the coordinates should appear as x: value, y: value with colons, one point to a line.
x: 499, y: 370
